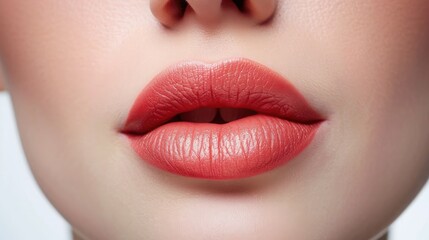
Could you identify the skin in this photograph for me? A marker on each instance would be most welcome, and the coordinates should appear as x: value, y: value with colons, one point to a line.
x: 74, y: 68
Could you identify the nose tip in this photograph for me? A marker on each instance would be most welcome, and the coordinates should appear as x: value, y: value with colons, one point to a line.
x: 170, y: 12
x: 206, y: 10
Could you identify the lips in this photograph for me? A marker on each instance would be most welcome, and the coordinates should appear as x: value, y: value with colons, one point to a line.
x: 226, y: 120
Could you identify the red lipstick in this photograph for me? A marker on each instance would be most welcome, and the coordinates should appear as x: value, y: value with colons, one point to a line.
x: 226, y: 120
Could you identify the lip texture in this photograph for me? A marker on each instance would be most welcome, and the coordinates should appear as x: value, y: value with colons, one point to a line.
x: 284, y: 123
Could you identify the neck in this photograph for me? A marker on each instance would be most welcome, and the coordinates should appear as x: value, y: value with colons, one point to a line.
x: 384, y: 237
x: 76, y: 236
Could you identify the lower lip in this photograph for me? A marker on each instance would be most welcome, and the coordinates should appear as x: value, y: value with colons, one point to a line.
x: 238, y: 149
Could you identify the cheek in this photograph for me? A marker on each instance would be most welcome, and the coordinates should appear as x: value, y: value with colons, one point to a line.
x: 381, y: 96
x: 66, y: 102
x: 370, y: 64
x: 63, y: 66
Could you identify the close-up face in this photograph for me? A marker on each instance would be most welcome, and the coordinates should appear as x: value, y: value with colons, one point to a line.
x: 210, y: 119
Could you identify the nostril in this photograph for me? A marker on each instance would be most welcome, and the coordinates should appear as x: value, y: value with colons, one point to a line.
x: 168, y: 12
x: 239, y: 4
x: 260, y: 10
x: 176, y: 8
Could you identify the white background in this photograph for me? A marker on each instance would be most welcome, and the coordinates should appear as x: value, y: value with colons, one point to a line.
x: 26, y: 214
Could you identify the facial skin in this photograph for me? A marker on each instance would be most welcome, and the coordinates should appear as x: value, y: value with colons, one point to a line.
x: 74, y: 69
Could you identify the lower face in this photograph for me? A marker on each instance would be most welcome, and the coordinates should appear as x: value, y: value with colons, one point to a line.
x: 74, y: 70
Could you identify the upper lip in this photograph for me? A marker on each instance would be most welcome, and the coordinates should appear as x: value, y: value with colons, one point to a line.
x: 219, y: 85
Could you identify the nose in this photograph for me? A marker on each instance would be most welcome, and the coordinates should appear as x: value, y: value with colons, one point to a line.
x: 170, y: 12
